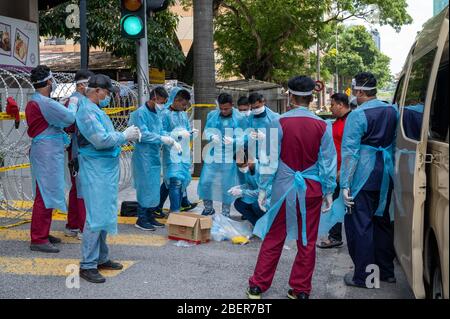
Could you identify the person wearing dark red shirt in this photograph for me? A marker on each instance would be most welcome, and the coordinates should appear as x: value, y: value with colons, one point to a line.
x: 46, y: 120
x: 341, y: 109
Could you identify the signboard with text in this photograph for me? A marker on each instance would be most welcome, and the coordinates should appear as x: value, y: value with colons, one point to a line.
x: 18, y: 43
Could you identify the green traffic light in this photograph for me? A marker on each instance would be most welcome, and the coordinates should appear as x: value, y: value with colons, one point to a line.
x: 132, y: 25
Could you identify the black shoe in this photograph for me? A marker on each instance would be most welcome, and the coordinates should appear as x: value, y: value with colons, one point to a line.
x: 301, y: 295
x: 208, y: 213
x: 45, y: 248
x: 155, y: 223
x: 159, y: 213
x: 144, y: 225
x: 191, y: 206
x: 111, y: 265
x: 53, y: 240
x: 254, y: 293
x: 389, y: 280
x: 348, y: 280
x: 92, y: 275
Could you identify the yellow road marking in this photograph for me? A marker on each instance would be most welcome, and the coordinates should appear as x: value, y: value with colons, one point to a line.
x: 48, y: 266
x: 120, y: 239
x: 58, y: 216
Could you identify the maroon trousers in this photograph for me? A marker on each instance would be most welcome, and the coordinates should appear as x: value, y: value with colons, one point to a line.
x: 76, y: 216
x: 41, y: 220
x: 272, y: 247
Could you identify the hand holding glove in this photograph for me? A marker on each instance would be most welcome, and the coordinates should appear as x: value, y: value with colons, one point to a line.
x: 184, y: 134
x: 262, y: 200
x: 327, y: 202
x: 167, y: 140
x: 177, y: 147
x: 257, y: 135
x: 215, y: 139
x: 235, y: 191
x: 132, y: 133
x: 227, y: 140
x: 348, y: 200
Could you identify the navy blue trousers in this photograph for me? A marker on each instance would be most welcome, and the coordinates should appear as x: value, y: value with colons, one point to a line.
x: 370, y: 238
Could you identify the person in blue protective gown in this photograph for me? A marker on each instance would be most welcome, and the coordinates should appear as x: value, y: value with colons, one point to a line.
x: 366, y: 181
x: 99, y: 148
x: 46, y: 120
x: 246, y: 194
x: 186, y: 205
x: 177, y: 157
x: 302, y: 188
x: 224, y: 130
x: 146, y: 159
x: 261, y: 123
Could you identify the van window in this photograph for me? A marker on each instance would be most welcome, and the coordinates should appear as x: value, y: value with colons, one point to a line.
x: 398, y: 92
x: 416, y: 95
x: 440, y: 109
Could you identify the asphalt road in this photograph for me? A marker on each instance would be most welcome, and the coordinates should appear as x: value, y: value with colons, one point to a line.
x: 218, y: 270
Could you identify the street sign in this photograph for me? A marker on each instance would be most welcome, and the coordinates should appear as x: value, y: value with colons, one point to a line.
x: 319, y: 86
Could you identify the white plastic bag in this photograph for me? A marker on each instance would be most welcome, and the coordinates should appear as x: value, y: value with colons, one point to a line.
x: 224, y: 228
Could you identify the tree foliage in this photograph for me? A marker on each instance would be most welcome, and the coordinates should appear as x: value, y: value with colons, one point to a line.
x: 356, y: 52
x: 270, y: 39
x: 103, y: 22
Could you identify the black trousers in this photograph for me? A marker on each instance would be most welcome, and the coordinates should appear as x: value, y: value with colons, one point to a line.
x: 336, y: 231
x: 370, y: 238
x: 251, y: 212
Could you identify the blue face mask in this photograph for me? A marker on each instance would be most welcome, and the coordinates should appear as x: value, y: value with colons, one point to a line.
x: 105, y: 102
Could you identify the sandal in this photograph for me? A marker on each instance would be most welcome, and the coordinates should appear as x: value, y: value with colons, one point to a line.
x: 329, y: 243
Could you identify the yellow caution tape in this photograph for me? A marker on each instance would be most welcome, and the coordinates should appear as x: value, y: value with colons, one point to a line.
x: 6, y: 117
x: 204, y: 105
x: 109, y: 111
x: 14, y: 167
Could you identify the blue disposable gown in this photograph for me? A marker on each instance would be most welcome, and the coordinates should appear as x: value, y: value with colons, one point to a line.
x: 219, y: 172
x: 265, y: 123
x: 290, y: 186
x: 99, y: 166
x: 176, y: 165
x: 47, y: 151
x: 358, y: 160
x: 146, y: 162
x: 251, y: 187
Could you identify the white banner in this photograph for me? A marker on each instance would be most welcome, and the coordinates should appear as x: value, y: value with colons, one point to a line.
x: 18, y: 43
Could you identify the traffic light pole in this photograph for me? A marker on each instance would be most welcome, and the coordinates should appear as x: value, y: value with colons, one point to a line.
x: 142, y: 65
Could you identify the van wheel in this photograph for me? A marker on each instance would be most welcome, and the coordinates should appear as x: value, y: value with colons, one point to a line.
x: 437, y: 291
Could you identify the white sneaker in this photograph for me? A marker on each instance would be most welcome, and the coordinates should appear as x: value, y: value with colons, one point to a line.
x: 80, y: 235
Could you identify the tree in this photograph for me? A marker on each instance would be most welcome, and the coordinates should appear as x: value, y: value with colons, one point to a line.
x: 268, y: 39
x: 103, y: 21
x: 356, y: 52
x: 204, y: 64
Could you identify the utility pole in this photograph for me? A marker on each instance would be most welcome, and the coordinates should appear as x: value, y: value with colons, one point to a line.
x: 337, y: 52
x: 142, y: 62
x: 83, y: 35
x: 319, y: 95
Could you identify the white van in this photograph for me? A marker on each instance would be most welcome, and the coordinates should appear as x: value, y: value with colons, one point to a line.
x: 420, y: 196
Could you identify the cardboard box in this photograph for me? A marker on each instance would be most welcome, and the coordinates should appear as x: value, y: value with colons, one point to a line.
x: 193, y: 228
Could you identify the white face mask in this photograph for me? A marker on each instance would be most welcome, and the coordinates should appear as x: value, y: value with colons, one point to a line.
x: 160, y: 106
x: 243, y: 170
x: 258, y: 110
x: 246, y: 113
